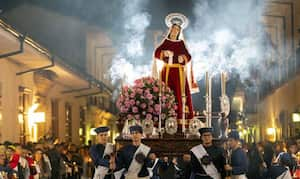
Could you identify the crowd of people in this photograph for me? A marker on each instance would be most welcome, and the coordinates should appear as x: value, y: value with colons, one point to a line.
x: 45, y: 160
x: 49, y: 159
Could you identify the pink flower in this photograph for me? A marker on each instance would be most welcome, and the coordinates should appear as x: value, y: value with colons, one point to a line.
x: 167, y: 105
x: 139, y: 84
x: 129, y: 116
x: 137, y: 116
x: 150, y: 110
x: 139, y: 91
x: 147, y: 91
x: 155, y: 89
x: 149, y: 96
x: 151, y: 102
x: 141, y: 99
x: 175, y: 107
x: 138, y: 81
x: 125, y: 93
x: 132, y: 95
x: 135, y: 109
x: 148, y: 116
x: 127, y: 104
x: 143, y: 105
x: 123, y: 109
x: 125, y: 88
x: 150, y: 80
x: 132, y: 102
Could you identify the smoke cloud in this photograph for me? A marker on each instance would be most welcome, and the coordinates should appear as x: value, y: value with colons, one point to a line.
x: 128, y: 64
x: 222, y: 37
x: 228, y: 37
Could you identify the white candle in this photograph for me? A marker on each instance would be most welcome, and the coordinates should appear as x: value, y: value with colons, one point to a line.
x: 206, y: 83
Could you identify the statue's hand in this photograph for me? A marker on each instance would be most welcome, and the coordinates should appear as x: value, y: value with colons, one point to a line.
x: 168, y: 53
x: 181, y: 59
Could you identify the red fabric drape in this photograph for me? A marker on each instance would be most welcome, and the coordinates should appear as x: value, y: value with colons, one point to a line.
x: 178, y: 48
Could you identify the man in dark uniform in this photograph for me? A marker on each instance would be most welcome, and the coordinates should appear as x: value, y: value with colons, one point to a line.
x: 102, y: 155
x: 281, y: 169
x: 207, y: 160
x: 239, y: 160
x: 132, y: 160
x: 156, y: 164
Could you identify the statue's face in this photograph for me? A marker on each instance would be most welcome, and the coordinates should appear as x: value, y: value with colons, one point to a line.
x: 175, y: 30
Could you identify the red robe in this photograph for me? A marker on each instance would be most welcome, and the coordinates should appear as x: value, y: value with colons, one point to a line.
x: 178, y: 48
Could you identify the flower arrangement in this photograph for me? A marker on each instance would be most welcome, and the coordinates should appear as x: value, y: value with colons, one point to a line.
x: 141, y: 100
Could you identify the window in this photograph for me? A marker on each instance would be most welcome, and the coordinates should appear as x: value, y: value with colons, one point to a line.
x: 68, y: 126
x: 82, y: 129
x: 54, y: 114
x: 25, y: 101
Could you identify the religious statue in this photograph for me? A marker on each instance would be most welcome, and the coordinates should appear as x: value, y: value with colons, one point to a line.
x: 175, y: 57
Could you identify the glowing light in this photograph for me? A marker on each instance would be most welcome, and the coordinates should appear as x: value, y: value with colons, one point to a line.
x: 92, y: 131
x: 271, y: 131
x: 296, y: 117
x: 33, y: 108
x: 38, y: 117
x: 241, y: 134
x: 20, y: 118
x: 238, y: 103
x: 239, y: 122
x: 33, y: 119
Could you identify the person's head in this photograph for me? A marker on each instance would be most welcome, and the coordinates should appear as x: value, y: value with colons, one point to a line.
x: 260, y: 147
x: 152, y: 156
x: 73, y: 148
x: 102, y: 134
x: 186, y: 157
x: 206, y: 136
x: 292, y: 147
x: 9, y: 151
x: 27, y: 151
x: 18, y: 149
x: 136, y: 133
x: 175, y: 30
x: 233, y: 139
x: 285, y: 159
x: 278, y: 147
x: 298, y: 143
x: 38, y: 154
x: 2, y: 155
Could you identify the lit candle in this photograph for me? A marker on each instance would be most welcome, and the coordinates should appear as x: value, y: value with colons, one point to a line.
x: 206, y: 81
x: 160, y: 82
x: 209, y: 103
x: 160, y: 94
x: 225, y: 83
x: 222, y: 84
